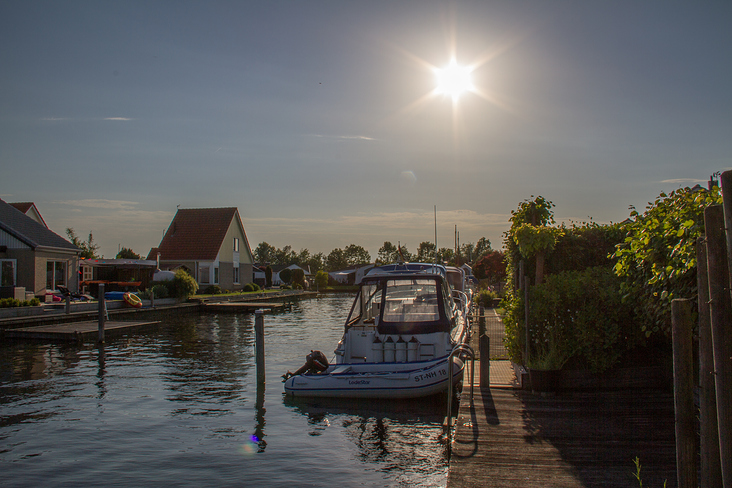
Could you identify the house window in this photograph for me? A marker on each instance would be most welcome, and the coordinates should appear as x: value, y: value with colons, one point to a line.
x: 236, y: 244
x: 236, y: 274
x: 204, y: 274
x: 216, y: 275
x: 87, y: 273
x: 7, y: 272
x: 55, y: 274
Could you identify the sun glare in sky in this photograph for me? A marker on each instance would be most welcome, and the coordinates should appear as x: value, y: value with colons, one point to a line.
x: 454, y: 80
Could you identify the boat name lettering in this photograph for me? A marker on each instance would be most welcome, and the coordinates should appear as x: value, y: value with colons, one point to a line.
x: 358, y: 382
x: 431, y: 374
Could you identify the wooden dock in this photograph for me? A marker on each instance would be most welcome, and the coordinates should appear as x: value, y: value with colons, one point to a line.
x: 234, y: 307
x: 72, y: 331
x: 509, y: 437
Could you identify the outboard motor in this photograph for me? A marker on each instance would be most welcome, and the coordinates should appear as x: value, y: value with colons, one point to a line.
x: 315, y: 363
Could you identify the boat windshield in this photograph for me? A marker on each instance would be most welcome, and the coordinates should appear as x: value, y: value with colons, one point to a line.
x: 411, y: 300
x: 367, y: 305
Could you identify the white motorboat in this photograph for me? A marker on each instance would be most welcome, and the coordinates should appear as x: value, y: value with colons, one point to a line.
x: 399, y: 338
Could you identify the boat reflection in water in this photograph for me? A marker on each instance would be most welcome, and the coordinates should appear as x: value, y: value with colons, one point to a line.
x: 394, y: 435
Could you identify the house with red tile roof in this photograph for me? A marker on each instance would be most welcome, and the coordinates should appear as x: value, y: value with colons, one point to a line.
x: 211, y: 244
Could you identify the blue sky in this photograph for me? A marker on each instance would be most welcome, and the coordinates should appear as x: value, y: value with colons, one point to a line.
x: 317, y: 118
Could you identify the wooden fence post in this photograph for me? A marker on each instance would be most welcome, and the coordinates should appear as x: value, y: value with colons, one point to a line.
x: 710, y: 474
x: 686, y: 439
x: 484, y: 349
x: 720, y: 312
x: 726, y: 185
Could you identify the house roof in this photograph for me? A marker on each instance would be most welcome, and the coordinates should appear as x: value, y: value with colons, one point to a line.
x: 25, y: 229
x: 25, y: 207
x: 196, y: 234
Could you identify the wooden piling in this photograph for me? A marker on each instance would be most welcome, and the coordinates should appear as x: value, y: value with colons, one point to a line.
x: 726, y: 185
x: 484, y: 349
x: 686, y: 439
x: 710, y: 474
x: 720, y: 313
x: 259, y: 344
x: 102, y: 313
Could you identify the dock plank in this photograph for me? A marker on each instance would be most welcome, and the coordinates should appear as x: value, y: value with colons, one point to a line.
x: 72, y: 331
x: 509, y: 437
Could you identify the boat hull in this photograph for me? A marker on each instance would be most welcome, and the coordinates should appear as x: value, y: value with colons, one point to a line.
x: 377, y: 380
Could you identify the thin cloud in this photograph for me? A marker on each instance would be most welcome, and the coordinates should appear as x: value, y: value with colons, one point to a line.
x: 100, y: 203
x: 357, y: 138
x: 683, y: 180
x: 122, y: 119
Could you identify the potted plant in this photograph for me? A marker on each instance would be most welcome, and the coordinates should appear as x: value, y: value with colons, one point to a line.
x: 549, y: 354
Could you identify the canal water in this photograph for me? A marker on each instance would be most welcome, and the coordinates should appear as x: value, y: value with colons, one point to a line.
x: 177, y: 404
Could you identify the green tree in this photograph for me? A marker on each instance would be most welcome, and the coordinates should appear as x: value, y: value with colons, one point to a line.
x: 336, y: 260
x: 88, y: 247
x: 356, y: 255
x: 268, y: 277
x: 264, y: 253
x: 387, y: 253
x: 426, y: 252
x: 126, y: 253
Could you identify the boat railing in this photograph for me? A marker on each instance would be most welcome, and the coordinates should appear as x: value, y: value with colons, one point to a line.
x: 467, y: 351
x: 462, y: 298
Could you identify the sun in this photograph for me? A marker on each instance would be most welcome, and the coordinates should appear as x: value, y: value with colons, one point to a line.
x: 454, y: 80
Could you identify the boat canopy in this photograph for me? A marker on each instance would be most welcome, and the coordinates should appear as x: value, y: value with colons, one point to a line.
x: 404, y: 304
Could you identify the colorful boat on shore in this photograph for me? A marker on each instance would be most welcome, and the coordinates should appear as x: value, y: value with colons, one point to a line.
x: 398, y: 342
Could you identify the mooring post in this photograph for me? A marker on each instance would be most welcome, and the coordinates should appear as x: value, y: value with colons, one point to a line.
x: 710, y: 472
x: 152, y: 298
x: 102, y: 313
x: 484, y: 349
x: 686, y: 440
x: 259, y: 343
x: 720, y: 310
x: 68, y: 303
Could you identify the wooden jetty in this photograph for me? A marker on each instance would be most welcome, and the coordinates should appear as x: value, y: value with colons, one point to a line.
x: 239, y: 306
x: 72, y: 331
x: 508, y: 437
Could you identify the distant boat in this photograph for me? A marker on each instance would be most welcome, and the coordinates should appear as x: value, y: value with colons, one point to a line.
x: 398, y: 339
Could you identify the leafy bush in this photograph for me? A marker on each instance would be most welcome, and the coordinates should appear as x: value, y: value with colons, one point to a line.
x: 583, y: 310
x: 321, y: 279
x: 485, y: 298
x: 184, y: 285
x: 13, y: 303
x: 657, y: 260
x: 212, y: 290
x: 162, y: 289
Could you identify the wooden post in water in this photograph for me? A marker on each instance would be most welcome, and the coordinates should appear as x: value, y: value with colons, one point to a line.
x: 484, y: 349
x: 686, y: 440
x: 259, y: 343
x: 710, y: 474
x: 102, y: 310
x: 720, y: 308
